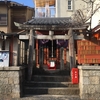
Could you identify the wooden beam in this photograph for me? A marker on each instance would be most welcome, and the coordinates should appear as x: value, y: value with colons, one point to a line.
x: 71, y: 49
x: 46, y: 27
x: 66, y: 37
x: 79, y: 37
x: 23, y: 37
x: 50, y: 37
x: 31, y: 48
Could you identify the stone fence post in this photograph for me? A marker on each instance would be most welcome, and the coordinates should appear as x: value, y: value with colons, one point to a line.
x: 89, y: 82
x: 11, y: 82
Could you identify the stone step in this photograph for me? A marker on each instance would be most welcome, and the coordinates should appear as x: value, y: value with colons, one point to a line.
x: 49, y: 97
x: 47, y: 78
x: 46, y: 71
x: 57, y: 72
x: 50, y: 84
x: 51, y: 91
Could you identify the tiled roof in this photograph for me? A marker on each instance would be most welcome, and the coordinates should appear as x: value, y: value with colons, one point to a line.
x: 49, y: 21
x: 63, y: 23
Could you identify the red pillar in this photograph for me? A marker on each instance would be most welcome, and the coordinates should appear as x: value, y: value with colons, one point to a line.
x: 37, y: 54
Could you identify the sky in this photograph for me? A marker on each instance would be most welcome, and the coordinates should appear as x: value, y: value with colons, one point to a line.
x: 25, y: 2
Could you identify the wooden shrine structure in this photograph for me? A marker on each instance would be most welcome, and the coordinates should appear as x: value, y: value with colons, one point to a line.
x: 45, y: 35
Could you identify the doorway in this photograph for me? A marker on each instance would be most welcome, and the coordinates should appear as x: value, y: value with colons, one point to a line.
x: 53, y: 50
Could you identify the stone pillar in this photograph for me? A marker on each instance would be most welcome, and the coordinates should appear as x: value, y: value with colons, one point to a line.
x: 19, y: 52
x: 89, y: 82
x: 31, y: 51
x: 0, y: 44
x: 71, y: 49
x: 7, y: 44
x: 15, y: 51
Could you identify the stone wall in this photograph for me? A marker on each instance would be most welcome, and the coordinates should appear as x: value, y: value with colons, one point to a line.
x: 11, y: 82
x: 89, y: 82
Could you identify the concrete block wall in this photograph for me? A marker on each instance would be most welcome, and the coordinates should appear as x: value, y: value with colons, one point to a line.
x: 89, y: 82
x: 11, y: 82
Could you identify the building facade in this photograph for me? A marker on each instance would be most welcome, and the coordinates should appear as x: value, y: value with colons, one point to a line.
x: 66, y: 8
x: 58, y: 8
x: 55, y: 42
x: 52, y: 48
x: 11, y: 12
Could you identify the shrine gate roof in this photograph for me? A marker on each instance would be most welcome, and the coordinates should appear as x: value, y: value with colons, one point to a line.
x: 62, y: 23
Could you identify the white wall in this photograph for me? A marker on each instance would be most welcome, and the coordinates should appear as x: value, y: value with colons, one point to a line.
x: 61, y: 10
x: 61, y: 7
x: 95, y: 19
x: 96, y: 16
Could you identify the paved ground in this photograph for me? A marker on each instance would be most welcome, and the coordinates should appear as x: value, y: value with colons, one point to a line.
x: 49, y: 97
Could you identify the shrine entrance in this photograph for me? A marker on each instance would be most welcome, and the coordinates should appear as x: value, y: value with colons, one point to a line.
x: 52, y: 50
x: 49, y: 43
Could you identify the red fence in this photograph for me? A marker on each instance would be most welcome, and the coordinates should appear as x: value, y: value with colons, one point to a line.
x: 88, y: 52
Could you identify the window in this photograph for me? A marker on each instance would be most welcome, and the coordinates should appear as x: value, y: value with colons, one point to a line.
x: 3, y: 19
x: 70, y: 5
